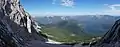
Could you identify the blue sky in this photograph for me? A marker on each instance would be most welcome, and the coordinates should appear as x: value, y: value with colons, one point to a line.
x: 72, y: 7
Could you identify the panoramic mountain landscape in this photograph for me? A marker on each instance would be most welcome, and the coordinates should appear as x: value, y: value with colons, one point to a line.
x: 96, y: 25
x: 63, y: 28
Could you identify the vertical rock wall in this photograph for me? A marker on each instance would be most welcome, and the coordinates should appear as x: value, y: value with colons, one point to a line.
x: 18, y: 22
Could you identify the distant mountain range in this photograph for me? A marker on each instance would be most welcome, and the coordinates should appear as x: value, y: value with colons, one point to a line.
x: 92, y: 24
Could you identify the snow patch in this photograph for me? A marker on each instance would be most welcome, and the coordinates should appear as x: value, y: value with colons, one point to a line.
x: 29, y: 25
x: 48, y: 35
x: 37, y: 28
x: 53, y: 42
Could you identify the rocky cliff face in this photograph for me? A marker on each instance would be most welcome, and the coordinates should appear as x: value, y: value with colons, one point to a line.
x: 112, y: 37
x: 17, y: 22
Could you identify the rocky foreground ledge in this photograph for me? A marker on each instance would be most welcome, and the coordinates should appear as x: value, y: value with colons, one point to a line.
x: 18, y: 29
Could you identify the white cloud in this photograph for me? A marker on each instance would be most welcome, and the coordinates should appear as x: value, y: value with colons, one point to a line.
x: 112, y: 9
x: 67, y: 3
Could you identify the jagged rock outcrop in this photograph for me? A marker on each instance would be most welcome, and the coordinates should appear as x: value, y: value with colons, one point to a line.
x: 17, y: 22
x: 112, y: 37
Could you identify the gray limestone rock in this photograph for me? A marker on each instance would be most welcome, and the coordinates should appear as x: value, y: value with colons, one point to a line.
x: 18, y: 22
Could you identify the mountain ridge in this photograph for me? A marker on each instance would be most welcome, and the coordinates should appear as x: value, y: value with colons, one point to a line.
x: 101, y: 24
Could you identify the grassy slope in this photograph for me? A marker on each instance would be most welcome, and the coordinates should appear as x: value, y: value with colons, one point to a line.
x: 63, y: 35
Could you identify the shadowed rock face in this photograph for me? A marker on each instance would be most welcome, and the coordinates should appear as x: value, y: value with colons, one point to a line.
x: 112, y: 37
x: 7, y: 38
